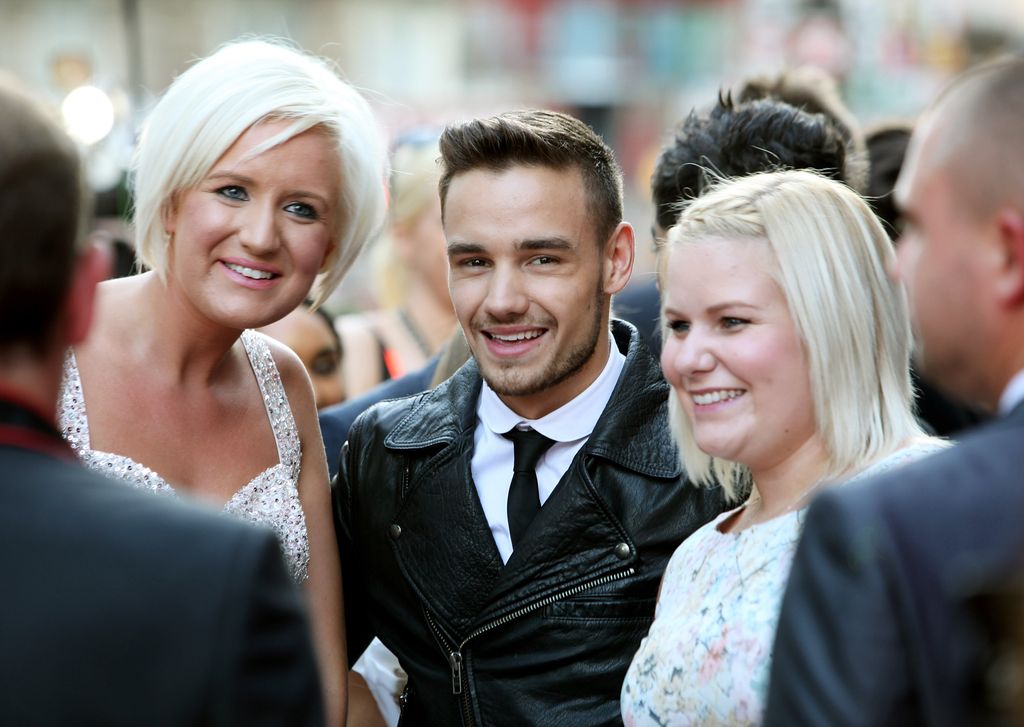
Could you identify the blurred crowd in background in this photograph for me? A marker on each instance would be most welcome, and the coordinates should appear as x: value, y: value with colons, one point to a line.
x: 632, y: 69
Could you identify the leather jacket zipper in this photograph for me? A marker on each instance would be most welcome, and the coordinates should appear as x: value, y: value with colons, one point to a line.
x: 454, y: 653
x: 455, y: 662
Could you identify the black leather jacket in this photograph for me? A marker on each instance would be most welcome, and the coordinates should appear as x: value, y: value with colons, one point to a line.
x: 546, y: 638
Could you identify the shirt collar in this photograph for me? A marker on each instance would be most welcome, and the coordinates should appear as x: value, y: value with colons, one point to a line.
x: 572, y: 421
x: 1013, y: 394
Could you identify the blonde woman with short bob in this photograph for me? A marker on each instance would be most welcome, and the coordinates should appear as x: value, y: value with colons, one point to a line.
x: 788, y: 350
x: 258, y: 177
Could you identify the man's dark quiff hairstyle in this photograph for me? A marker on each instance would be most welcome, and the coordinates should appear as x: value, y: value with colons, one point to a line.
x: 537, y: 138
x: 734, y: 140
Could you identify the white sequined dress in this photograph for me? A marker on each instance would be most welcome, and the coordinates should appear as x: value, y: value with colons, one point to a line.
x: 271, y: 498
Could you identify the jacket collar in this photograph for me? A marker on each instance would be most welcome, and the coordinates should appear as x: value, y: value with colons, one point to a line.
x: 629, y: 433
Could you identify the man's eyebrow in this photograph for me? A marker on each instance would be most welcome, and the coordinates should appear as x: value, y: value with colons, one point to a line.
x: 529, y: 245
x: 465, y: 248
x: 544, y: 243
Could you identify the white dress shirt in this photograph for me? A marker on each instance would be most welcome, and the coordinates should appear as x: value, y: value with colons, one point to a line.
x: 569, y: 426
x: 1013, y: 394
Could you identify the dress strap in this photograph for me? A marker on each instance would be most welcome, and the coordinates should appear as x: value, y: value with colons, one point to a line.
x: 71, y: 417
x: 279, y: 411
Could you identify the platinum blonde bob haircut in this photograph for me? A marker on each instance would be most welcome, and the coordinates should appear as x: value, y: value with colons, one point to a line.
x: 830, y: 255
x: 215, y: 101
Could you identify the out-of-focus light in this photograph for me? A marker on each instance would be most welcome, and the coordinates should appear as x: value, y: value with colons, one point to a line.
x: 88, y: 114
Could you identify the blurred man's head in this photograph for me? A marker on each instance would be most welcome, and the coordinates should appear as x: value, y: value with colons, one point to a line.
x: 40, y: 219
x: 48, y: 276
x: 962, y: 254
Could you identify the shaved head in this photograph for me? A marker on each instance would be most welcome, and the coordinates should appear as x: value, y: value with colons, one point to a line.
x: 980, y: 122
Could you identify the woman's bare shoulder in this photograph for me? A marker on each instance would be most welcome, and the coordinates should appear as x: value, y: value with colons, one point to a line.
x: 118, y: 316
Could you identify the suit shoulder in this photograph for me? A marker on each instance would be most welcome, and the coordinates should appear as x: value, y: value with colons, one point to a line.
x: 983, y: 468
x: 958, y: 507
x: 107, y: 513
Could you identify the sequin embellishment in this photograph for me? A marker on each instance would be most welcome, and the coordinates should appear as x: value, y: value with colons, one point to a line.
x: 271, y: 498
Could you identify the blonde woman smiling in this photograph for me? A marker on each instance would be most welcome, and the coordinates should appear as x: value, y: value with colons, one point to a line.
x: 258, y: 177
x: 788, y: 349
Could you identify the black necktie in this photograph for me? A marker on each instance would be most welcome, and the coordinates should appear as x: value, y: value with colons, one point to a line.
x: 523, y: 497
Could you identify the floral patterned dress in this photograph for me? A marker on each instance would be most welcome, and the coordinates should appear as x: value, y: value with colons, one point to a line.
x: 706, y: 658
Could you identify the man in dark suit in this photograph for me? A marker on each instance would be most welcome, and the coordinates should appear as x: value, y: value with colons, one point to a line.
x: 879, y: 625
x: 116, y: 607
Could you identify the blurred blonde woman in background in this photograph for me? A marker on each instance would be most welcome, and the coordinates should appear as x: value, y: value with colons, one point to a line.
x: 258, y: 177
x: 415, y: 317
x: 788, y: 351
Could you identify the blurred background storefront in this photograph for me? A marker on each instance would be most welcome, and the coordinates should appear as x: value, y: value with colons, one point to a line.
x: 631, y: 68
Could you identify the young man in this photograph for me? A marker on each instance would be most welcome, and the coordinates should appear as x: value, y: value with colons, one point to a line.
x: 515, y: 590
x: 878, y: 625
x: 118, y: 607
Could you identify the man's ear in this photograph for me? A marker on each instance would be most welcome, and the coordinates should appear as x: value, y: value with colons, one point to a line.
x: 1009, y: 284
x: 92, y: 267
x: 619, y: 253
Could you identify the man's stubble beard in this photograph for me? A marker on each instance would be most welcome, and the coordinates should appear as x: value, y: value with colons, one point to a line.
x: 557, y: 370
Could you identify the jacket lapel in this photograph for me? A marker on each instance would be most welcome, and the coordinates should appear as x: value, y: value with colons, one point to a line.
x: 572, y: 540
x: 445, y: 549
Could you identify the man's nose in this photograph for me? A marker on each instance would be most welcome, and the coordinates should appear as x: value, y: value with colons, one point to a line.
x: 507, y: 296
